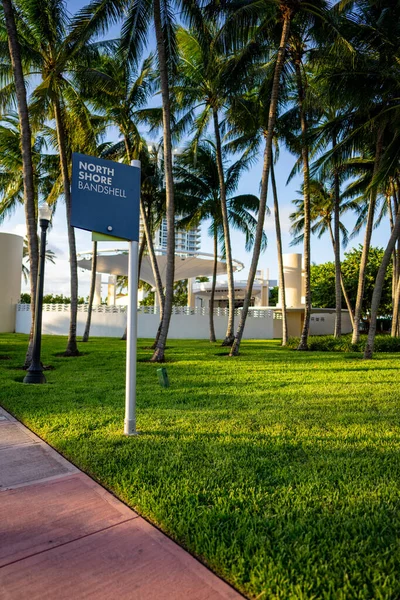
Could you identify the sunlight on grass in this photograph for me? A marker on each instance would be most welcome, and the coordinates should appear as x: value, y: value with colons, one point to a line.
x: 279, y: 469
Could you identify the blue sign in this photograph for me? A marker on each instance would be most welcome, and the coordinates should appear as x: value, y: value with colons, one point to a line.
x: 105, y: 197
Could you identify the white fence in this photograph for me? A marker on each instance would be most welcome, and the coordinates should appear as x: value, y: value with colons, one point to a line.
x: 110, y: 321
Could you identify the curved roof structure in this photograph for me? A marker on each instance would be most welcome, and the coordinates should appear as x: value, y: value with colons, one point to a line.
x: 115, y: 262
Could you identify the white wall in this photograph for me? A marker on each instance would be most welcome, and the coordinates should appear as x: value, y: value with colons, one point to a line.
x: 10, y: 279
x: 324, y: 323
x: 110, y: 321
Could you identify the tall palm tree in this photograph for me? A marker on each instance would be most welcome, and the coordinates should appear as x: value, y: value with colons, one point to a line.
x: 26, y: 151
x: 122, y: 99
x: 52, y: 46
x: 366, y: 82
x: 282, y: 290
x: 376, y: 296
x: 247, y: 117
x: 260, y: 22
x: 206, y: 77
x: 198, y: 198
x: 139, y: 17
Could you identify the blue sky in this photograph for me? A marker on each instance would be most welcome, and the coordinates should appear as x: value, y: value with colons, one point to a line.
x: 57, y: 276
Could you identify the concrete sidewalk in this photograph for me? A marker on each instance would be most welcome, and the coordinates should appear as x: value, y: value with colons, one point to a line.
x: 63, y: 536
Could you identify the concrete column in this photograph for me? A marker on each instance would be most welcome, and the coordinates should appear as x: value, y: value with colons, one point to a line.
x: 97, y: 290
x: 112, y: 282
x: 265, y: 288
x: 10, y: 278
x: 292, y: 268
x: 191, y: 296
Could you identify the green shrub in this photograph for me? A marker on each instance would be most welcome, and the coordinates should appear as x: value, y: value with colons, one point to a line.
x: 327, y: 343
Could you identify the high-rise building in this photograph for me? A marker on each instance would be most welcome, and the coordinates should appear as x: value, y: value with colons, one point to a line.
x: 186, y: 241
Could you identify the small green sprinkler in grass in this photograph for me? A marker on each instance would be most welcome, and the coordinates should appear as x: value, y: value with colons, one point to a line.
x: 163, y: 377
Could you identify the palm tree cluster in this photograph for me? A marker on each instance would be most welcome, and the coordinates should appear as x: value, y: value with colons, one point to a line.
x: 237, y: 81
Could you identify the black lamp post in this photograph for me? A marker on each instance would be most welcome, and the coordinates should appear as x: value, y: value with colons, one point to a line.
x: 35, y: 371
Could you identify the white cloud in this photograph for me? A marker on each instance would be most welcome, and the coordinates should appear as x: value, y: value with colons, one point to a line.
x: 284, y: 213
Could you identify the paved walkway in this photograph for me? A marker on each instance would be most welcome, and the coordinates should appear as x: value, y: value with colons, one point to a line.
x: 62, y: 536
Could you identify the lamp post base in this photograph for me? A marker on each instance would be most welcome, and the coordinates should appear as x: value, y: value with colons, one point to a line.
x: 34, y: 376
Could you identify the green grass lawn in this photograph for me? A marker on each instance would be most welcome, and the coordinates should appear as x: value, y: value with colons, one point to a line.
x: 280, y: 470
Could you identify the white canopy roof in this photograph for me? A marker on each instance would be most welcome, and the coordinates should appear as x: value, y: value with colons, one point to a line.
x: 185, y: 266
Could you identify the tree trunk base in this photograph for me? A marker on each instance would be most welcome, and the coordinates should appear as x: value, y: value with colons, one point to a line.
x: 71, y: 352
x: 158, y: 356
x: 213, y: 339
x: 85, y: 338
x: 368, y: 352
x: 228, y: 341
x: 302, y: 347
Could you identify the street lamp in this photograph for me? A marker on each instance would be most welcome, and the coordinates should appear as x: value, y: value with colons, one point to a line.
x: 35, y: 371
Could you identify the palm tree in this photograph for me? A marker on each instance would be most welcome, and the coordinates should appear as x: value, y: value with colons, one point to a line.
x: 247, y: 117
x: 252, y: 16
x: 366, y: 82
x: 206, y: 77
x: 198, y: 198
x: 282, y: 291
x: 26, y: 151
x: 53, y: 47
x: 376, y: 296
x: 139, y: 17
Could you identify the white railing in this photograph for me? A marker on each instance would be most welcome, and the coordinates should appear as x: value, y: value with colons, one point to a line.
x: 261, y: 313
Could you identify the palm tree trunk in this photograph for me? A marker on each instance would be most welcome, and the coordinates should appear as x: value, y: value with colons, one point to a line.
x: 213, y: 285
x: 159, y: 353
x: 380, y: 279
x: 282, y: 291
x: 85, y: 337
x: 303, y: 344
x: 153, y: 259
x: 367, y: 241
x: 395, y: 188
x: 395, y: 303
x: 142, y: 248
x: 156, y: 272
x: 264, y: 179
x: 27, y: 165
x: 345, y: 295
x: 395, y: 319
x: 336, y: 221
x: 229, y: 336
x: 72, y: 348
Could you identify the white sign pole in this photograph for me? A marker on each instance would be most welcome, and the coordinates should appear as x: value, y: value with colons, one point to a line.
x: 131, y: 336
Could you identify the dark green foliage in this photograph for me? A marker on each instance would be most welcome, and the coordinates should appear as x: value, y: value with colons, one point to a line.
x: 327, y: 343
x: 280, y: 471
x: 323, y: 281
x: 51, y: 299
x: 273, y: 296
